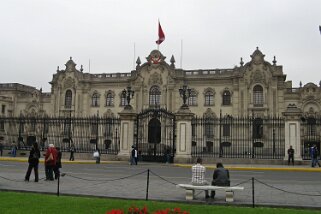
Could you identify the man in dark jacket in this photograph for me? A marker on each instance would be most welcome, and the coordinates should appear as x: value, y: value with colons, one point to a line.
x: 221, y: 177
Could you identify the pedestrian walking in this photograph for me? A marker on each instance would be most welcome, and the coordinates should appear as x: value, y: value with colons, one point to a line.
x: 1, y: 149
x: 58, y: 163
x: 97, y: 156
x: 315, y: 156
x: 311, y: 152
x: 50, y: 161
x: 72, y: 151
x: 13, y: 149
x: 291, y: 155
x: 134, y: 156
x: 33, y: 161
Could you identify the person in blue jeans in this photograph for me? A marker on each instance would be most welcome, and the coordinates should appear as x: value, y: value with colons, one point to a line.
x: 14, y: 150
x: 315, y: 154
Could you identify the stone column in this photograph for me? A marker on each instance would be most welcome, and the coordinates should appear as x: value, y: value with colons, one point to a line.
x: 127, y: 119
x: 292, y: 131
x: 183, y: 136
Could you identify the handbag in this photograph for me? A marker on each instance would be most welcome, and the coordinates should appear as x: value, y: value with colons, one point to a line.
x: 96, y: 154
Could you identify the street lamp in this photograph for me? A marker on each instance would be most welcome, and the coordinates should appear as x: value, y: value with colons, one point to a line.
x: 185, y: 93
x: 128, y: 95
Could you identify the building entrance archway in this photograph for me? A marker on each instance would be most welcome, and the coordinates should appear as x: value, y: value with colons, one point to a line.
x: 155, y: 135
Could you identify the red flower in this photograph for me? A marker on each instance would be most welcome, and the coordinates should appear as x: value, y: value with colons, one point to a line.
x: 115, y: 212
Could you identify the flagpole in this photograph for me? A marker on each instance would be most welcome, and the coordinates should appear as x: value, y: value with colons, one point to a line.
x: 134, y: 56
x: 158, y: 33
x: 181, y: 53
x: 89, y: 66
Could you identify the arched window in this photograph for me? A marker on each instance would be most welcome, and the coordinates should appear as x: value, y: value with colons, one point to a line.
x: 68, y: 99
x: 192, y: 100
x: 209, y: 98
x: 209, y: 127
x: 226, y: 98
x: 123, y: 100
x: 95, y: 100
x: 109, y: 99
x: 154, y: 96
x: 258, y: 96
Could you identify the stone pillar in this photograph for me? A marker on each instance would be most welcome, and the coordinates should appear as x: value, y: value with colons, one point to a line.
x: 127, y: 119
x: 183, y: 136
x: 292, y: 131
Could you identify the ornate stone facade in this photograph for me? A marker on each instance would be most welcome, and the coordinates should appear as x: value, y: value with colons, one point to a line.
x: 253, y: 88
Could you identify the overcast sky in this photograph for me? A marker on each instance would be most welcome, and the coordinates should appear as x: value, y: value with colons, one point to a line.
x: 39, y: 35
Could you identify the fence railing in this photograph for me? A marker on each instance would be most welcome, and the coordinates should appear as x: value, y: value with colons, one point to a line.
x: 85, y: 134
x: 231, y: 137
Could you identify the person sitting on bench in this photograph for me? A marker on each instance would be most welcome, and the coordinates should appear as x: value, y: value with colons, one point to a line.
x: 198, y: 175
x: 221, y: 177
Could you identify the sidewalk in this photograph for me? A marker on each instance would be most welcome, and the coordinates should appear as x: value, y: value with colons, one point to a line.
x: 245, y: 167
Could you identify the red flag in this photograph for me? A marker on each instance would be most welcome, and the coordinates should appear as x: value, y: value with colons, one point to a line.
x: 161, y: 35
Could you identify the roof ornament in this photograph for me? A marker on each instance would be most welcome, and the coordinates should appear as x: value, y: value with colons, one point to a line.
x: 172, y: 61
x: 57, y: 68
x: 81, y: 68
x: 300, y: 84
x: 241, y: 62
x: 274, y: 60
x: 320, y: 83
x: 138, y: 62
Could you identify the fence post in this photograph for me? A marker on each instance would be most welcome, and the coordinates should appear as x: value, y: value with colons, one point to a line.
x: 58, y: 186
x: 147, y: 185
x: 253, y: 201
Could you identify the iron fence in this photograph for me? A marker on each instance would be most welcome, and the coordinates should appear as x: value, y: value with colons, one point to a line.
x: 310, y: 134
x: 85, y: 134
x: 236, y: 137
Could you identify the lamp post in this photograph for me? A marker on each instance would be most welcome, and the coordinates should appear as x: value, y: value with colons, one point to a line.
x: 185, y: 93
x: 128, y: 94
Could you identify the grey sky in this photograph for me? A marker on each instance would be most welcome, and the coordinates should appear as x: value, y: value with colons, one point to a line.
x: 39, y: 35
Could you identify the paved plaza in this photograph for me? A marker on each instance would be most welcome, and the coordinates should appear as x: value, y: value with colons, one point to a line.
x: 295, y: 186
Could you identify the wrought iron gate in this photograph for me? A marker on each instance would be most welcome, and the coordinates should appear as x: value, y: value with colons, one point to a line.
x: 155, y: 135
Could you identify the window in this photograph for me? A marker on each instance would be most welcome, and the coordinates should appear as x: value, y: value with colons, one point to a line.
x: 3, y: 109
x: 94, y: 128
x: 192, y: 100
x: 257, y: 128
x: 209, y: 128
x: 311, y: 126
x: 227, y: 126
x: 209, y: 98
x: 226, y: 98
x: 123, y: 100
x: 258, y: 96
x: 33, y: 124
x: 154, y: 96
x: 109, y: 99
x: 108, y: 128
x: 95, y: 100
x: 1, y: 125
x: 68, y: 99
x: 21, y: 127
x: 67, y: 127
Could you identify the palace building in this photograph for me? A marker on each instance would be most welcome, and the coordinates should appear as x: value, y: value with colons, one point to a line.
x: 249, y: 111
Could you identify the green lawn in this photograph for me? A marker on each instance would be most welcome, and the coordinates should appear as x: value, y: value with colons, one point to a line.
x: 13, y: 202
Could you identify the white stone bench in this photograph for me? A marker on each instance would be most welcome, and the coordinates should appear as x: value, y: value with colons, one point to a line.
x: 190, y: 190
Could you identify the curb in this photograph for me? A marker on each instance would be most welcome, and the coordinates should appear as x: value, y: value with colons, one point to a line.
x: 250, y: 168
x: 63, y: 161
